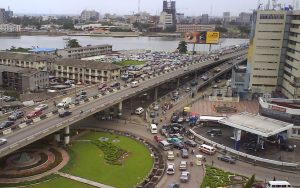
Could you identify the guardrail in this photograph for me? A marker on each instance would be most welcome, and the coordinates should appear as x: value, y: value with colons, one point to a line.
x: 238, y: 153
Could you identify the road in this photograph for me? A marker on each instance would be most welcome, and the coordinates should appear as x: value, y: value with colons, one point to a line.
x: 38, y: 130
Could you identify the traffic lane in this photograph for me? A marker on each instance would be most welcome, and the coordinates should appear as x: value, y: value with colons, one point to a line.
x: 127, y: 92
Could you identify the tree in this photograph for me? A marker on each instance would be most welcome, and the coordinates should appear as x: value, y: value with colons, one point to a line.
x: 73, y: 43
x: 221, y: 29
x: 182, y: 47
x: 250, y: 182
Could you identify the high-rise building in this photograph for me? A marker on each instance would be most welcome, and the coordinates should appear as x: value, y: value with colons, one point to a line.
x: 2, y: 16
x: 204, y: 19
x: 244, y: 18
x: 9, y: 14
x: 169, y: 11
x: 89, y: 15
x: 274, y: 56
x: 226, y: 17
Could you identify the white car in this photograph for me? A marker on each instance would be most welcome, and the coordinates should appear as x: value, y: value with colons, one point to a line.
x: 3, y: 141
x: 41, y: 107
x: 156, y: 107
x: 171, y: 169
x: 183, y: 165
x: 184, y: 177
x: 171, y: 155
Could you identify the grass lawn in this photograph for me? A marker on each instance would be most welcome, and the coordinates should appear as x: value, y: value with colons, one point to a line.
x: 215, y: 177
x: 130, y: 62
x: 89, y: 162
x: 61, y: 183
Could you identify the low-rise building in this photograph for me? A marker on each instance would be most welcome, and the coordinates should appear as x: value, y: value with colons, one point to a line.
x: 183, y: 28
x: 7, y: 28
x: 35, y: 61
x: 86, y: 71
x: 82, y: 52
x: 23, y: 79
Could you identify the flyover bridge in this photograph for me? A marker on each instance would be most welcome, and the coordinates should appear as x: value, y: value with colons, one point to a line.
x: 51, y: 123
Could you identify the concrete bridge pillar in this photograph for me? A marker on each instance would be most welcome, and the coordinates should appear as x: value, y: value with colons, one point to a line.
x: 67, y: 135
x: 57, y: 137
x: 120, y: 107
x: 155, y: 93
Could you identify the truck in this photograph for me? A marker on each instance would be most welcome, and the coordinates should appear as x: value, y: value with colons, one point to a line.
x: 65, y: 102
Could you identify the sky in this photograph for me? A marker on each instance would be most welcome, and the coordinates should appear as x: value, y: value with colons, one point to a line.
x: 121, y: 7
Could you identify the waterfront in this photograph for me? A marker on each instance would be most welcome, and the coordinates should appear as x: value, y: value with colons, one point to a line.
x: 126, y: 43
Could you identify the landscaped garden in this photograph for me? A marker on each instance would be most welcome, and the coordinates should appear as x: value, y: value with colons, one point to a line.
x: 215, y: 177
x: 91, y: 159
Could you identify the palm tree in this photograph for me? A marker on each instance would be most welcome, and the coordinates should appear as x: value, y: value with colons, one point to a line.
x: 250, y: 182
x: 182, y: 47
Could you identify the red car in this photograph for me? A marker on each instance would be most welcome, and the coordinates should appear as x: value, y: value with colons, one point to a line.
x: 101, y: 86
x: 34, y: 114
x: 158, y: 139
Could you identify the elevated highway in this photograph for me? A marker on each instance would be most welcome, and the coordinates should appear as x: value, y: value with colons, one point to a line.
x: 51, y: 123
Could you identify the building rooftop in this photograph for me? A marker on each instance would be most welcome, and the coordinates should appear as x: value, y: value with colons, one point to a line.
x: 257, y: 124
x: 24, y: 56
x: 24, y: 71
x: 88, y: 47
x: 87, y: 64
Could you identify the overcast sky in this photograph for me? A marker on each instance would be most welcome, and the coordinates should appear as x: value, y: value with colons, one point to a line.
x: 188, y: 7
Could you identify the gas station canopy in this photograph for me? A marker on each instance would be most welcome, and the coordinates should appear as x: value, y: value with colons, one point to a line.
x: 256, y: 124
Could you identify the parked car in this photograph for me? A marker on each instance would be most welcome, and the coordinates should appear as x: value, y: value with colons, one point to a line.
x: 191, y: 143
x: 183, y: 165
x: 180, y: 120
x: 2, y: 141
x: 34, y: 114
x: 158, y: 138
x: 227, y: 159
x: 214, y: 132
x: 6, y: 124
x: 41, y: 107
x: 171, y: 168
x: 115, y: 84
x: 178, y: 145
x: 173, y: 185
x: 81, y: 93
x: 184, y: 153
x: 16, y: 115
x: 80, y: 97
x: 188, y: 89
x: 184, y: 177
x: 101, y: 86
x: 156, y: 107
x: 152, y: 114
x: 194, y: 83
x: 174, y: 119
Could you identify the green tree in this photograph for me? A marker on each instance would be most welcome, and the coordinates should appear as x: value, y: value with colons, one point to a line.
x: 250, y: 182
x: 182, y: 47
x: 73, y: 43
x: 221, y: 29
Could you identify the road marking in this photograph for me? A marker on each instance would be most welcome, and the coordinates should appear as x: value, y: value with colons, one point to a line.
x: 99, y: 95
x: 91, y: 99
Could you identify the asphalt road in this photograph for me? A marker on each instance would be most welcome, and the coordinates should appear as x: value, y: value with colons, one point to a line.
x: 29, y: 134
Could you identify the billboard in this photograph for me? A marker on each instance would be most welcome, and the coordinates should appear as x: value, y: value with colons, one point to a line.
x: 205, y: 37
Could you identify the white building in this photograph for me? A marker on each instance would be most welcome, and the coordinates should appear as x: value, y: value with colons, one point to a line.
x: 166, y: 20
x: 89, y: 15
x: 10, y: 28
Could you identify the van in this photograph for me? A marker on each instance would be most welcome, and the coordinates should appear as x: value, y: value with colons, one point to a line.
x: 165, y: 145
x: 207, y: 149
x: 65, y: 102
x: 153, y: 129
x: 278, y: 184
x: 139, y: 111
x: 134, y: 84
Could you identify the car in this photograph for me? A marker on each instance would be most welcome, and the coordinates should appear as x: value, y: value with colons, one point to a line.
x: 16, y: 115
x: 9, y: 99
x: 174, y: 119
x: 215, y: 86
x: 184, y: 153
x: 3, y: 141
x: 180, y: 120
x: 173, y: 185
x: 194, y: 83
x: 81, y: 93
x: 191, y: 143
x: 170, y: 168
x: 176, y: 135
x: 6, y: 124
x: 80, y: 97
x: 187, y: 119
x: 188, y: 89
x: 64, y: 113
x: 227, y: 159
x: 157, y: 138
x: 173, y: 140
x: 101, y: 86
x: 178, y: 145
x: 41, y: 107
x: 214, y: 132
x: 184, y: 177
x: 183, y: 165
x: 204, y: 77
x: 152, y: 114
x: 170, y: 155
x: 156, y: 107
x: 34, y: 114
x: 175, y: 97
x: 115, y: 84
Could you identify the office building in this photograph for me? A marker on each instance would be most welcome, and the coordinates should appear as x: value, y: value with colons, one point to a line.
x: 166, y: 20
x: 168, y: 15
x: 83, y: 52
x: 183, y: 28
x: 244, y: 18
x: 226, y: 17
x: 204, y: 19
x: 9, y: 14
x: 23, y: 79
x: 89, y: 15
x: 179, y: 18
x: 34, y: 61
x: 86, y: 71
x: 238, y: 77
x: 8, y: 28
x: 2, y: 16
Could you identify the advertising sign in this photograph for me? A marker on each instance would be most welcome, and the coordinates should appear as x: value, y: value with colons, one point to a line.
x: 212, y: 37
x: 205, y: 37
